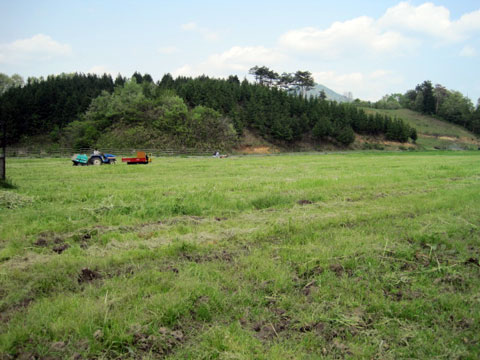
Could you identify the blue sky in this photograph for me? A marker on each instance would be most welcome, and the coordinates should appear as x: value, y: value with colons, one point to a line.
x: 369, y: 48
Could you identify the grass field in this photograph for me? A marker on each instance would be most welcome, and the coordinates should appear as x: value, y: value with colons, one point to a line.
x: 358, y: 255
x: 434, y: 132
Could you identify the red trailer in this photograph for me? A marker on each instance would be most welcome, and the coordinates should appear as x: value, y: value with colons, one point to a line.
x: 142, y: 158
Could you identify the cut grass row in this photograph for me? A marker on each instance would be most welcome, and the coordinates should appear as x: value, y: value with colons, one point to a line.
x: 360, y: 255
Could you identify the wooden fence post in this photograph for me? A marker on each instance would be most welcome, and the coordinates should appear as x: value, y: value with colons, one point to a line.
x: 3, y: 158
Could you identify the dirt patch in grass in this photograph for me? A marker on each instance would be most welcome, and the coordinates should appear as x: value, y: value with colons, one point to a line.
x: 304, y: 202
x: 473, y: 261
x: 268, y: 330
x: 338, y: 269
x: 172, y: 269
x: 452, y: 283
x: 87, y: 275
x: 41, y: 242
x: 319, y: 327
x: 422, y: 258
x: 463, y: 323
x: 6, y: 315
x: 307, y: 289
x: 160, y: 343
x: 310, y: 272
x: 60, y: 248
x: 399, y: 294
x: 124, y: 271
x: 50, y: 238
x: 201, y: 258
x: 408, y: 266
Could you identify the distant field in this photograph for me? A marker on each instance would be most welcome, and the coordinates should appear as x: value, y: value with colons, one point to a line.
x: 433, y: 132
x: 363, y: 255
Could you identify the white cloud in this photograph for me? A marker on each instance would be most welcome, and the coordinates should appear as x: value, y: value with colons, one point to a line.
x: 235, y: 60
x: 358, y: 36
x: 243, y: 58
x: 206, y: 33
x: 39, y: 47
x: 426, y: 18
x: 403, y: 29
x: 368, y: 86
x: 431, y: 20
x: 398, y: 32
x: 468, y: 51
x: 168, y: 50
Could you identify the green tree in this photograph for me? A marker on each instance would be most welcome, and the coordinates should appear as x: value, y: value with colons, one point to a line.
x: 409, y: 99
x: 456, y: 108
x: 413, y: 134
x: 441, y: 94
x: 345, y: 135
x: 427, y: 104
x: 322, y: 128
x: 322, y: 95
x: 304, y: 81
x: 7, y: 82
x: 119, y: 80
x: 264, y: 76
x: 419, y: 102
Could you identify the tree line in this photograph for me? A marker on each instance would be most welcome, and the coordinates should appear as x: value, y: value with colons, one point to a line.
x: 301, y: 80
x: 449, y: 105
x: 80, y: 107
x: 285, y: 116
x: 41, y: 106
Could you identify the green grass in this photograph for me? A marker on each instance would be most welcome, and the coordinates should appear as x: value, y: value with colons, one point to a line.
x: 431, y: 130
x: 357, y: 255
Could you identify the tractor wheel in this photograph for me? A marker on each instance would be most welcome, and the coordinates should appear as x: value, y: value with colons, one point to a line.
x: 96, y: 161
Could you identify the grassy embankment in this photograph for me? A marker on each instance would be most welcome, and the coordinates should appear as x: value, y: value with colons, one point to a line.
x: 434, y: 133
x: 363, y: 255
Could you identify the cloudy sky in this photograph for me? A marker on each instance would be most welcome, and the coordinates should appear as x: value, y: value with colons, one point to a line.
x: 367, y: 47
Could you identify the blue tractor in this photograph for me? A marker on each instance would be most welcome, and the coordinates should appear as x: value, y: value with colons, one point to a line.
x: 97, y: 158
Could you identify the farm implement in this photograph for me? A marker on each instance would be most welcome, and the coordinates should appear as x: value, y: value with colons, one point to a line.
x: 93, y: 159
x: 142, y: 158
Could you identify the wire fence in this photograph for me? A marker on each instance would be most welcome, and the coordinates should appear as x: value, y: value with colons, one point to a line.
x: 69, y: 152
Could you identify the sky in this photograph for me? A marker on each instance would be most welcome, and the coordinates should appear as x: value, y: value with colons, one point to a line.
x: 369, y: 48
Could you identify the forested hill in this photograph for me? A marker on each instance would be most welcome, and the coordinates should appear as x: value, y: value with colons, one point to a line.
x: 81, y: 110
x: 448, y: 105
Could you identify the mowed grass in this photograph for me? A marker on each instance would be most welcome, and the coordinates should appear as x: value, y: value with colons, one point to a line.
x: 358, y: 255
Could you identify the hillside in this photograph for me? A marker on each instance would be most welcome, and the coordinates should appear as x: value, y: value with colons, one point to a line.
x: 331, y: 95
x: 206, y: 113
x: 194, y: 113
x: 433, y: 133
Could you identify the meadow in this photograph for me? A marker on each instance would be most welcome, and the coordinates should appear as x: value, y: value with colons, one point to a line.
x: 303, y: 256
x: 434, y: 132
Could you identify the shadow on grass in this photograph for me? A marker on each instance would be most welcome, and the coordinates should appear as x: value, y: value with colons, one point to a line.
x: 7, y: 184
